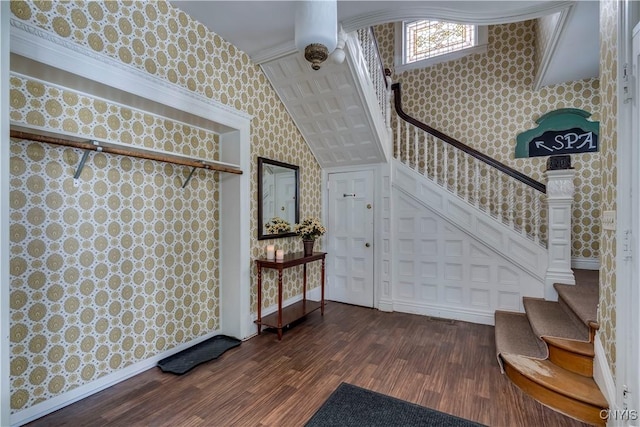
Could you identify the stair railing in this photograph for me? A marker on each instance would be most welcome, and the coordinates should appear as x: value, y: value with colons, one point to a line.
x: 369, y: 46
x: 506, y: 194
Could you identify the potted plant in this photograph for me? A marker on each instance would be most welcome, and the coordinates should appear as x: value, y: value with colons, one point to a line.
x: 277, y: 225
x: 309, y: 229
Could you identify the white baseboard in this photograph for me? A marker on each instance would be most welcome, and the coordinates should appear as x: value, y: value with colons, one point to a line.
x: 386, y: 305
x: 43, y: 408
x: 586, y: 263
x: 453, y: 313
x: 602, y: 374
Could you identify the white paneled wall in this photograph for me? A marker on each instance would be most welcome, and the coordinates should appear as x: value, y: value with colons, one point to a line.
x: 442, y: 271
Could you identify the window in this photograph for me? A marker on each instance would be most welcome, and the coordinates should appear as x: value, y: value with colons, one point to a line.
x: 428, y: 42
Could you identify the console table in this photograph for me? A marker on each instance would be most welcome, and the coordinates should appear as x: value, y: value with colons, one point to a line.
x: 298, y: 310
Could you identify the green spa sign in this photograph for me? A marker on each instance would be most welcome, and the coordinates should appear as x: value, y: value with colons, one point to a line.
x: 563, y: 131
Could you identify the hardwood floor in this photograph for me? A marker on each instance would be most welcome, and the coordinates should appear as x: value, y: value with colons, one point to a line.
x: 445, y: 365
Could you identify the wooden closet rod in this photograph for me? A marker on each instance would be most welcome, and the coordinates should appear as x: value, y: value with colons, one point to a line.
x: 89, y: 145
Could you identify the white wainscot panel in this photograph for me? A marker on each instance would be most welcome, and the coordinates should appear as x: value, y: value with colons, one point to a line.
x: 481, y: 298
x: 459, y: 213
x: 480, y: 273
x: 406, y: 290
x: 478, y: 251
x: 428, y: 270
x: 453, y: 248
x: 453, y: 294
x: 509, y: 301
x: 406, y: 225
x: 405, y: 268
x: 487, y: 232
x: 453, y: 271
x: 428, y: 226
x: 432, y: 198
x: 428, y: 292
x: 406, y: 246
x: 428, y: 247
x: 451, y: 274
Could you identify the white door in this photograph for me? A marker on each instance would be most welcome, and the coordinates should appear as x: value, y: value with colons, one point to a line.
x: 286, y: 197
x: 350, y: 238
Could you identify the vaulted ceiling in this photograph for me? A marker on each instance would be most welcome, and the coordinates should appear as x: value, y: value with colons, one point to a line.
x: 264, y: 29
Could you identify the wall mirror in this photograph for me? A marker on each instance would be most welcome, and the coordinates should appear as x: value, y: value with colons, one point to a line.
x: 278, y: 195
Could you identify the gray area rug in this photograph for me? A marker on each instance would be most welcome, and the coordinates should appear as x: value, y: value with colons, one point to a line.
x: 349, y: 405
x: 205, y: 351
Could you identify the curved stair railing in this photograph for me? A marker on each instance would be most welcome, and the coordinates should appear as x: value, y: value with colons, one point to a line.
x: 377, y: 72
x: 506, y: 194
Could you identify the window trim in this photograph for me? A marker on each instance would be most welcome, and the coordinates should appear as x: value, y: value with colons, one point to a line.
x: 482, y: 40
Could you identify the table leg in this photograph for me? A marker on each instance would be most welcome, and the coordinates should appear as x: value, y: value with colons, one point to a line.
x: 259, y: 299
x: 280, y: 303
x: 322, y: 289
x: 304, y: 287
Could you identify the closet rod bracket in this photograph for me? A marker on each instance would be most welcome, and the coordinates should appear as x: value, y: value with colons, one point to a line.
x: 83, y: 160
x: 189, y: 178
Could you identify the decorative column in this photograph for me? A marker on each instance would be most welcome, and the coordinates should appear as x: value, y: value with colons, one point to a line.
x: 560, y: 190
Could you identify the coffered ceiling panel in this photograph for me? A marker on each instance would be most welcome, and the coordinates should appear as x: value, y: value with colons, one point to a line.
x: 329, y: 110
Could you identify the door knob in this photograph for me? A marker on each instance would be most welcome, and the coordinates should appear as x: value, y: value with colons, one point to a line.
x: 367, y: 244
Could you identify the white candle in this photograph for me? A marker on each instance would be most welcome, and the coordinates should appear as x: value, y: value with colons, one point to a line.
x: 279, y: 255
x: 271, y: 251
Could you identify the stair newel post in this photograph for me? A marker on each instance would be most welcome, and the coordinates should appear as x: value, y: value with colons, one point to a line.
x: 560, y: 193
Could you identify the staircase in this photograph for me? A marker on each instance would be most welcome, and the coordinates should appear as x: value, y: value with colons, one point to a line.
x: 467, y: 237
x: 548, y: 350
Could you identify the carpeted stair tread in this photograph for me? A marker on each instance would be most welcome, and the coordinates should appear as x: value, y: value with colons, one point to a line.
x: 582, y: 298
x: 515, y: 336
x: 552, y: 377
x: 548, y: 319
x: 191, y: 357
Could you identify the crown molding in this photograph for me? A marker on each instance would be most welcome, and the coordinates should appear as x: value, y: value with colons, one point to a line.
x: 58, y: 53
x: 433, y: 11
x: 274, y: 53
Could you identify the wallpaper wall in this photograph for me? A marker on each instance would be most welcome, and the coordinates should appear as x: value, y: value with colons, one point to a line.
x: 609, y: 141
x: 485, y: 100
x: 166, y: 43
x: 116, y: 269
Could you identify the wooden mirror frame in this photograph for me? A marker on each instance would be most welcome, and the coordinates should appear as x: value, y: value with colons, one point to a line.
x: 296, y: 169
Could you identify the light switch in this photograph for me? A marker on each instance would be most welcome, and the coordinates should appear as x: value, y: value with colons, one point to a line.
x: 609, y: 220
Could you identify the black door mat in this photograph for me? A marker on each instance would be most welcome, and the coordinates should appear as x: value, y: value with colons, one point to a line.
x: 205, y: 351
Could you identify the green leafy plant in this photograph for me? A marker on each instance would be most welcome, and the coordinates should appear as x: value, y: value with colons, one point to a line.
x: 309, y: 229
x: 277, y: 225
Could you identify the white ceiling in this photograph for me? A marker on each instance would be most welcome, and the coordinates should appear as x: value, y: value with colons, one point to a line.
x: 259, y: 26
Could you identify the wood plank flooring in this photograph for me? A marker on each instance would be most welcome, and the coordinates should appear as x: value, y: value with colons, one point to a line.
x: 445, y: 365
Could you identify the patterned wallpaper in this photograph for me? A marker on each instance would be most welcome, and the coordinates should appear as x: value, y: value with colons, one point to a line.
x: 68, y: 334
x: 114, y: 270
x: 485, y: 100
x: 609, y: 141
